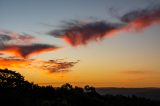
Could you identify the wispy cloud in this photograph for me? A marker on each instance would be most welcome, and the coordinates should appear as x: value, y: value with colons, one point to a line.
x: 16, y: 38
x: 57, y: 66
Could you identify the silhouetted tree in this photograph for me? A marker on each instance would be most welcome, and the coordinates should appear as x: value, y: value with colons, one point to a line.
x: 88, y: 88
x: 78, y: 89
x: 12, y: 79
x: 67, y: 86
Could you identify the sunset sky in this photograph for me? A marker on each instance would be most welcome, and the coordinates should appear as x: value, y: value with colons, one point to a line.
x: 103, y: 43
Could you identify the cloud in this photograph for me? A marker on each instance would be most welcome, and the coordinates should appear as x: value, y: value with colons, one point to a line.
x: 135, y: 72
x: 22, y: 45
x: 81, y: 33
x: 142, y: 18
x: 1, y: 54
x: 58, y: 66
x: 25, y: 51
x: 16, y: 38
x: 4, y: 37
x: 52, y: 66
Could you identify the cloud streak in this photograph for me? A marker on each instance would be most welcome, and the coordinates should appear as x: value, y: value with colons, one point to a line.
x: 135, y: 72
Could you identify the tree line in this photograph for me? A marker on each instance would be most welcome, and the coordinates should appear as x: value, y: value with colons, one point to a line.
x: 16, y: 91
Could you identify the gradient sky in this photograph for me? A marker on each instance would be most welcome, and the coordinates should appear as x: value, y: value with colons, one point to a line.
x: 127, y: 59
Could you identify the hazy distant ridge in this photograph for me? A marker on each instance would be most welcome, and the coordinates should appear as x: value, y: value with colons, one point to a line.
x: 151, y: 93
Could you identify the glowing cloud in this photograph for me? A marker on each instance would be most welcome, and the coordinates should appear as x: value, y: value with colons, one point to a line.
x: 24, y: 51
x: 77, y: 33
x: 21, y: 45
x: 140, y: 19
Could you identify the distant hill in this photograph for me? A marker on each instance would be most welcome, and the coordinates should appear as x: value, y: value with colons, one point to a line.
x: 150, y: 93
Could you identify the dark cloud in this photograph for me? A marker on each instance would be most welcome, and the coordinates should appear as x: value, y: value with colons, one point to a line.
x: 80, y: 33
x: 27, y: 50
x: 58, y: 66
x: 148, y: 13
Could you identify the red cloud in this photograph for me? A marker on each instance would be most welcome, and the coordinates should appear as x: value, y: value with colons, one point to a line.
x: 25, y: 51
x: 76, y: 33
x: 141, y: 19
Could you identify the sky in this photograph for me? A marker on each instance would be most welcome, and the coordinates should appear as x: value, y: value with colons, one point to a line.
x: 103, y: 43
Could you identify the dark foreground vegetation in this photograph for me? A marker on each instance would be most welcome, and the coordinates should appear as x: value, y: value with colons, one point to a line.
x: 16, y: 91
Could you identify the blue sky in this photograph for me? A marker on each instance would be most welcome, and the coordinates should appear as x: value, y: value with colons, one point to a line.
x: 28, y: 15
